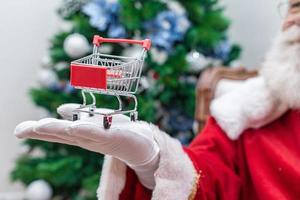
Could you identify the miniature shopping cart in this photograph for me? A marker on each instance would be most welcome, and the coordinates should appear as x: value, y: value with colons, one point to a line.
x: 110, y: 75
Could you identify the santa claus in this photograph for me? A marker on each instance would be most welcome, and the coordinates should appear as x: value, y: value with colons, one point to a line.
x: 249, y: 149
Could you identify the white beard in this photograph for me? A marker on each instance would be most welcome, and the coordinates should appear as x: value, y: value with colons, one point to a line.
x: 281, y: 68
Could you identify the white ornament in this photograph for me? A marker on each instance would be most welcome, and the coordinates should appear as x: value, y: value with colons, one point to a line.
x: 105, y: 48
x: 132, y: 51
x: 39, y: 190
x: 61, y: 66
x: 46, y: 62
x: 76, y: 45
x: 197, y: 61
x: 47, y: 78
x: 158, y: 56
x: 144, y: 82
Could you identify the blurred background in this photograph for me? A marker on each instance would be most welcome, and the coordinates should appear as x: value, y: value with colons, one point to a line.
x: 26, y: 29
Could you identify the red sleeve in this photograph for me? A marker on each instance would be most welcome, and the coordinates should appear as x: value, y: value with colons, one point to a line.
x: 214, y: 157
x: 133, y: 189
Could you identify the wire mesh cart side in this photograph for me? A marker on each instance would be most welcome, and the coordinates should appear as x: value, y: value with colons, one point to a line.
x: 109, y: 75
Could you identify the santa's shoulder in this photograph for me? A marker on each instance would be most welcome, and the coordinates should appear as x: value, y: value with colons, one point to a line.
x: 250, y: 105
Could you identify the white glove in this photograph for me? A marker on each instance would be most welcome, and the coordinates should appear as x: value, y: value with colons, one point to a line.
x: 131, y: 142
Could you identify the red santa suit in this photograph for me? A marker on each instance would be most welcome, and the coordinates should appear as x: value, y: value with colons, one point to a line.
x: 261, y: 164
x: 221, y: 163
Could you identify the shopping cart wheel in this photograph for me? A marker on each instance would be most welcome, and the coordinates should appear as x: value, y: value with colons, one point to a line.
x: 75, y: 116
x: 133, y: 116
x: 91, y: 111
x: 107, y: 120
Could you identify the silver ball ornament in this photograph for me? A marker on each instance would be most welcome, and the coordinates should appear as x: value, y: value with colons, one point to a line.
x: 46, y: 61
x: 197, y: 61
x: 47, y: 78
x: 159, y: 56
x: 39, y: 190
x: 76, y: 45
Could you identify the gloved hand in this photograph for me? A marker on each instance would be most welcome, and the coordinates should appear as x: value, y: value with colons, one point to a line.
x: 131, y: 142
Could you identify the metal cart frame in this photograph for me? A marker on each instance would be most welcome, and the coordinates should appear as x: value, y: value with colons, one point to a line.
x: 108, y: 75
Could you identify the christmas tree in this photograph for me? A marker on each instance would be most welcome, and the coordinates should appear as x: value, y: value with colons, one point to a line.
x: 187, y: 36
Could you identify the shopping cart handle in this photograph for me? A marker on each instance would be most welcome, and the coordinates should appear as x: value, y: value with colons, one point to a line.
x: 145, y: 43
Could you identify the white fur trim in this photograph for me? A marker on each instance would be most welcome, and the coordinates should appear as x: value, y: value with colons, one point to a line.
x: 251, y: 105
x: 226, y: 85
x: 112, y: 179
x: 175, y: 176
